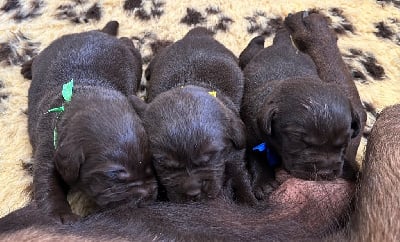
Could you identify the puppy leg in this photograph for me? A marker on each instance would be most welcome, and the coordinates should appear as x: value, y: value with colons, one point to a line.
x: 26, y: 69
x: 255, y: 46
x: 263, y: 176
x: 240, y: 181
x: 49, y: 190
x: 111, y: 28
x: 312, y: 34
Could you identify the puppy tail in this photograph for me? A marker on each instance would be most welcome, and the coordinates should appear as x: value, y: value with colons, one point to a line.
x: 252, y: 49
x: 111, y: 28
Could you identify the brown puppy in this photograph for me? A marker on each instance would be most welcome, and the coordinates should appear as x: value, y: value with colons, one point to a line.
x: 196, y: 136
x: 97, y: 144
x: 375, y: 218
x: 306, y: 110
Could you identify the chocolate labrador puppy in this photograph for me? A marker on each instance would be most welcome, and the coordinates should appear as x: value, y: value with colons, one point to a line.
x: 300, y: 104
x: 85, y: 133
x: 196, y: 136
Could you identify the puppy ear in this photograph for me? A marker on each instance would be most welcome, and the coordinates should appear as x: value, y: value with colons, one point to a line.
x: 355, y: 123
x: 68, y: 160
x: 266, y: 117
x: 138, y: 104
x: 237, y: 132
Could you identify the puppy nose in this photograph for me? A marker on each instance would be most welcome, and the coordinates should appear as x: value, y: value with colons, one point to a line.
x: 329, y: 168
x: 192, y: 187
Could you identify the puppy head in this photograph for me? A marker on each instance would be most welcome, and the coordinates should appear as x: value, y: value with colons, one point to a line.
x: 104, y: 152
x: 309, y: 124
x: 192, y: 136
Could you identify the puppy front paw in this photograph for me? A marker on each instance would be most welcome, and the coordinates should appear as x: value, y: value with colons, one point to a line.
x: 67, y: 218
x: 61, y: 215
x: 248, y: 198
x: 309, y: 30
x: 262, y: 190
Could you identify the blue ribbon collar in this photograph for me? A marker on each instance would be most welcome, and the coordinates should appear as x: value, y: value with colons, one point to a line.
x: 272, y: 159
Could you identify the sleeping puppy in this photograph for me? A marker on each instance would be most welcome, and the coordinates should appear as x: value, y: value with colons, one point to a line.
x: 196, y: 136
x: 304, y: 108
x: 85, y: 133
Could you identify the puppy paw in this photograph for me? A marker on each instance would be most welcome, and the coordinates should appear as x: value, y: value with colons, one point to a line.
x: 26, y: 69
x: 262, y: 191
x: 309, y: 30
x: 248, y: 199
x: 68, y: 218
x: 63, y: 217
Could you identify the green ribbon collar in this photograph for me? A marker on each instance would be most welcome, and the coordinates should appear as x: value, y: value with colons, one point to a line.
x: 66, y: 92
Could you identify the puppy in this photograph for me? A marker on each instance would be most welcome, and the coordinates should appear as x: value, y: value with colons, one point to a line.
x: 196, y: 136
x: 85, y: 134
x: 304, y: 108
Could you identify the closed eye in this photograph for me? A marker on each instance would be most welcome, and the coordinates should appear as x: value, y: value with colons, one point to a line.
x: 341, y: 143
x: 297, y: 147
x: 205, y: 158
x: 117, y: 174
x: 165, y: 163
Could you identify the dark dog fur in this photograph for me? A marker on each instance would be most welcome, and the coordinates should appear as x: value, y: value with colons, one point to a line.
x: 197, y: 59
x: 219, y: 220
x: 378, y: 196
x: 375, y: 218
x: 102, y: 147
x: 306, y: 109
x: 197, y: 140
